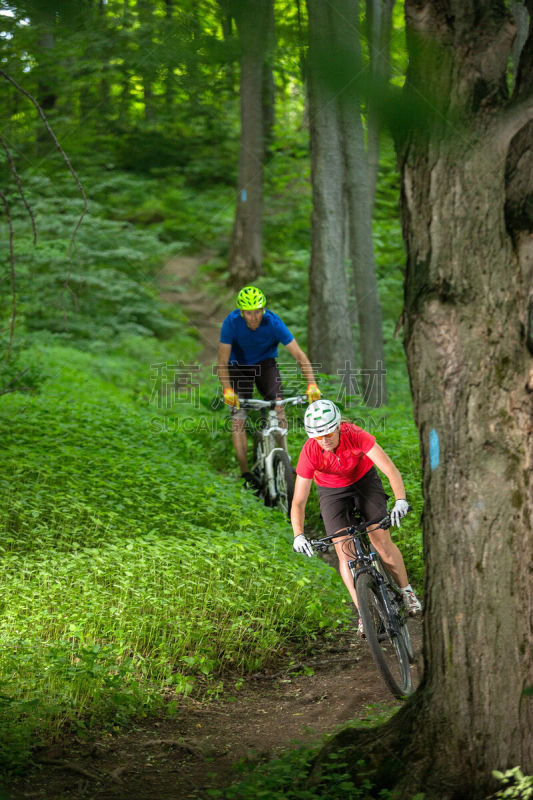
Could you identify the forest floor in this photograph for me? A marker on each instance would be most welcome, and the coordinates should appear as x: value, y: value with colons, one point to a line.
x: 206, y: 744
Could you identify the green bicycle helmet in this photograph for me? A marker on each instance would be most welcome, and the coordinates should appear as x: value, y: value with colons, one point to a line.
x: 250, y: 298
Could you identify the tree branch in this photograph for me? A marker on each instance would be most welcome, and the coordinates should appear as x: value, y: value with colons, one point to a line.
x: 512, y: 120
x: 19, y: 184
x: 64, y: 155
x: 85, y: 211
x: 13, y: 276
x: 11, y: 386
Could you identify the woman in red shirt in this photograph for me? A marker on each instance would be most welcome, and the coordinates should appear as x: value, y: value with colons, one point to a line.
x: 341, y: 459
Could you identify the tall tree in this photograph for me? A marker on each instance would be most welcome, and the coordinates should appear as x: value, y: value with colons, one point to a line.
x: 336, y: 122
x: 359, y: 194
x: 379, y: 24
x: 467, y: 224
x: 329, y: 334
x: 252, y: 18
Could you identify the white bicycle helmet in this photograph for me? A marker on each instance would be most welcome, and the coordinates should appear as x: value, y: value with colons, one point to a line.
x: 321, y: 417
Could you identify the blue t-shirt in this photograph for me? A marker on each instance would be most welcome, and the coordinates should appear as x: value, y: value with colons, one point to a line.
x: 251, y: 347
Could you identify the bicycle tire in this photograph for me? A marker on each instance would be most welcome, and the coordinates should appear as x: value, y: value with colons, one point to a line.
x: 385, y: 641
x: 403, y: 616
x: 259, y: 455
x: 283, y: 481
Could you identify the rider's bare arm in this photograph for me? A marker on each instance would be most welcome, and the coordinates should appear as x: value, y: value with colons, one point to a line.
x: 302, y: 487
x: 303, y: 362
x: 224, y: 351
x: 384, y: 463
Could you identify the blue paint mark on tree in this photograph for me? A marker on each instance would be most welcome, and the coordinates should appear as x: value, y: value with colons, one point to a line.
x: 434, y: 449
x: 244, y: 195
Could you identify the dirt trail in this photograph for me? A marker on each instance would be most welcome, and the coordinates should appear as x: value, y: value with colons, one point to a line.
x: 182, y: 757
x: 204, y: 303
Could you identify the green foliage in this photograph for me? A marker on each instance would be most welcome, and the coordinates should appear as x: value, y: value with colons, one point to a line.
x: 153, y: 89
x: 123, y: 579
x: 288, y: 777
x: 165, y: 206
x: 105, y: 292
x: 515, y: 785
x: 148, y: 149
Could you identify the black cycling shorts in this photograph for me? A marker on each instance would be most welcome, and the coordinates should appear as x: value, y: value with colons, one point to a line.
x: 264, y: 375
x: 337, y: 503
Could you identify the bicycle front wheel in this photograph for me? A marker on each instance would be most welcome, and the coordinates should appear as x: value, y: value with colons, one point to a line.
x: 284, y: 481
x: 383, y: 636
x: 397, y: 602
x: 260, y: 453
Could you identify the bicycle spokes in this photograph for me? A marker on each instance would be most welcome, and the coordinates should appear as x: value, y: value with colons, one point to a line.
x: 383, y: 635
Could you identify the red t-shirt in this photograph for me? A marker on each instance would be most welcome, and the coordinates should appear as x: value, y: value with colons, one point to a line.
x: 345, y: 465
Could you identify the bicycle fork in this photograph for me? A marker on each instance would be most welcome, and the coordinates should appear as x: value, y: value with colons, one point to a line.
x: 369, y: 565
x: 269, y: 471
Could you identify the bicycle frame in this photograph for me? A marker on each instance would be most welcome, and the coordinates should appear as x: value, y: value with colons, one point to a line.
x: 366, y: 560
x: 269, y: 428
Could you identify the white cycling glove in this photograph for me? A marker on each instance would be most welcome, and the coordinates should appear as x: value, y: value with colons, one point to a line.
x: 401, y: 507
x: 301, y: 545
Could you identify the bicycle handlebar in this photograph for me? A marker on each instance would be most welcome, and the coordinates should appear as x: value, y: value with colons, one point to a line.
x: 255, y: 403
x: 359, y: 527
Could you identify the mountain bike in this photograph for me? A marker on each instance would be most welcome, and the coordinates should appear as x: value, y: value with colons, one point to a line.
x: 380, y: 605
x: 272, y: 465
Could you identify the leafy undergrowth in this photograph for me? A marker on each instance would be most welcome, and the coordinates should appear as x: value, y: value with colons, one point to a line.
x: 287, y: 778
x: 132, y: 570
x: 290, y: 777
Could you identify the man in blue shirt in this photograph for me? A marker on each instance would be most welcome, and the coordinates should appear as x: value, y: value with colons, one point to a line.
x: 247, y: 353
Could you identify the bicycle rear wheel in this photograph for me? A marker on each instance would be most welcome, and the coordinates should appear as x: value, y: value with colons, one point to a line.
x: 284, y: 481
x: 383, y: 636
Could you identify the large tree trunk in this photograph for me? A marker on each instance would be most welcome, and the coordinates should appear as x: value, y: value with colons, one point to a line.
x: 379, y: 24
x: 468, y: 286
x: 245, y: 257
x: 330, y: 341
x: 359, y: 200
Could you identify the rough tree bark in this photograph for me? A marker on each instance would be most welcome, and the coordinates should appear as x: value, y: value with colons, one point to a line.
x: 329, y: 337
x: 467, y: 293
x: 245, y: 256
x: 379, y: 24
x: 359, y: 198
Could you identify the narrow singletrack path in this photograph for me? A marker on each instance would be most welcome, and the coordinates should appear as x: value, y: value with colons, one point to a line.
x: 204, y: 302
x: 182, y: 757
